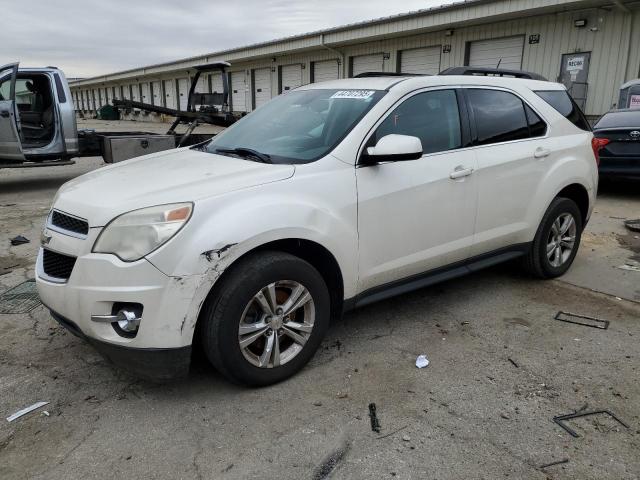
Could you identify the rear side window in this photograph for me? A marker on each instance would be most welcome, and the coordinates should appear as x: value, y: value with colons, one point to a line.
x: 564, y: 104
x: 499, y: 116
x: 433, y: 117
x: 62, y: 98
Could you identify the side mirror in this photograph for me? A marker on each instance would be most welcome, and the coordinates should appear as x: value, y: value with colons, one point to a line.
x: 394, y: 148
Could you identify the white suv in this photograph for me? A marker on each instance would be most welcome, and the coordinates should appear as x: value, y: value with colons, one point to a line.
x: 327, y: 198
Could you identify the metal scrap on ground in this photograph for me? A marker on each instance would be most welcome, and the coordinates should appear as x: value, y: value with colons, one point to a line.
x: 582, y: 320
x: 375, y: 423
x: 560, y: 419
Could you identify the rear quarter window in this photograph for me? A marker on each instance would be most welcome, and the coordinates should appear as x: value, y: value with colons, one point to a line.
x: 562, y: 102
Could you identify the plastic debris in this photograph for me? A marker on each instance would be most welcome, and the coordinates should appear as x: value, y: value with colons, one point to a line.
x: 24, y: 411
x: 422, y: 361
x: 19, y: 240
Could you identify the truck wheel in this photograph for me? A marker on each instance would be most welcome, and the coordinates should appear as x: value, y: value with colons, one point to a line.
x: 267, y: 318
x: 557, y: 240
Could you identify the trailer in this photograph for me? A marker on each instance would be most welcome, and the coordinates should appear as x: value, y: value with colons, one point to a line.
x: 38, y: 125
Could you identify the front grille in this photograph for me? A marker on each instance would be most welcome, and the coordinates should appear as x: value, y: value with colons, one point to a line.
x: 67, y: 222
x: 57, y: 265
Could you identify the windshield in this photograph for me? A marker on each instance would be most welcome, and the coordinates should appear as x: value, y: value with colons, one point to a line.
x: 297, y: 127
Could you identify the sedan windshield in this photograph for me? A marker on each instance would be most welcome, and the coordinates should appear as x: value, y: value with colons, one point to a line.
x: 619, y: 119
x: 297, y: 127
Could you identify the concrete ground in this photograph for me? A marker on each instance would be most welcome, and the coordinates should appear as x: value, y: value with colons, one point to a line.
x: 501, y: 369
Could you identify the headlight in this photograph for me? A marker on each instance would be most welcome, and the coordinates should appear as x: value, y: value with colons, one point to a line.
x: 133, y: 235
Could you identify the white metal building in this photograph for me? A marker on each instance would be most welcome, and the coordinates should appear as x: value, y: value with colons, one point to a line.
x: 593, y: 46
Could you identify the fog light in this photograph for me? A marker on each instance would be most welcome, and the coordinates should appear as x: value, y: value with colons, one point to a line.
x: 128, y: 321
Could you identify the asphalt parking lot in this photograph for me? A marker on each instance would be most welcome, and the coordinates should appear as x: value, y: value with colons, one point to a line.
x: 501, y: 369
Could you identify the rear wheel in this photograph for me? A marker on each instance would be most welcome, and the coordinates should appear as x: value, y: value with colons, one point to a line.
x: 557, y: 240
x: 267, y: 318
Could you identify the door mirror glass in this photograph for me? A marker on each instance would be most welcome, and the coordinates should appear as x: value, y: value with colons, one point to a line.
x: 393, y: 148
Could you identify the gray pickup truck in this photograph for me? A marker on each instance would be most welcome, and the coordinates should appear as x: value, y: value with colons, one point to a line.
x: 37, y: 117
x: 38, y: 120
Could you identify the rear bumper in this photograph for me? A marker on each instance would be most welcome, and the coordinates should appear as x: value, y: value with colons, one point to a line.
x: 156, y: 364
x: 620, y: 167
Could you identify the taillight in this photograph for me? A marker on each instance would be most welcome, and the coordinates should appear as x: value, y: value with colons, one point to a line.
x: 598, y: 144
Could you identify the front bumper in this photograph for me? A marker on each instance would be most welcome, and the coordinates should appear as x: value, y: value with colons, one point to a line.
x: 156, y: 364
x: 161, y: 349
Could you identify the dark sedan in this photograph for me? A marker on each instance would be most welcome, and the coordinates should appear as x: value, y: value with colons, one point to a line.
x: 619, y: 134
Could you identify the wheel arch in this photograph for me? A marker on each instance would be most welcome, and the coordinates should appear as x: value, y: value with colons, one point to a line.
x: 308, y: 250
x: 579, y: 194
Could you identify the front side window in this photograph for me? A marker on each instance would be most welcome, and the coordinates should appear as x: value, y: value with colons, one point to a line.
x: 499, y: 116
x: 299, y: 126
x: 433, y: 117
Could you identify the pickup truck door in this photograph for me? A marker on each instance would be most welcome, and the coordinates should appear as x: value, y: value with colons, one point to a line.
x: 10, y: 144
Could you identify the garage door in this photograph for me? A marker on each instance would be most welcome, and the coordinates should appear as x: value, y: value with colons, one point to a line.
x: 238, y: 92
x: 367, y: 63
x: 156, y: 93
x: 183, y: 93
x: 420, y: 60
x: 261, y: 86
x: 146, y: 92
x: 169, y: 94
x: 324, y: 71
x: 216, y: 83
x: 502, y: 52
x: 290, y: 77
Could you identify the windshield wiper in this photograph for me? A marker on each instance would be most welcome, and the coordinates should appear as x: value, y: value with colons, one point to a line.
x: 246, y: 153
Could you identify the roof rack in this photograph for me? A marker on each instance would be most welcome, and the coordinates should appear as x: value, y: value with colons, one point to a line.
x: 499, y: 72
x: 388, y: 74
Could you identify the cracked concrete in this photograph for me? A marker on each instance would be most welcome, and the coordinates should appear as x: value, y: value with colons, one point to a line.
x: 470, y: 414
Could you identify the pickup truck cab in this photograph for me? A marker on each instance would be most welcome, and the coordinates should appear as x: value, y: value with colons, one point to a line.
x: 329, y: 197
x: 37, y: 118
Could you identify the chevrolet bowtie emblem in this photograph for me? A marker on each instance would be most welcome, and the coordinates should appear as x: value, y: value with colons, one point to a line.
x: 44, y: 238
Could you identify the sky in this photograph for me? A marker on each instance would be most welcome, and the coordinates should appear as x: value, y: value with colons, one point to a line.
x: 86, y: 38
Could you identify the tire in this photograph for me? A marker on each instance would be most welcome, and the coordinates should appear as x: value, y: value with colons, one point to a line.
x: 236, y: 303
x: 542, y: 265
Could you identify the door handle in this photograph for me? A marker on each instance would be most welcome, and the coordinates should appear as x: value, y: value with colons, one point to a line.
x: 541, y: 152
x: 460, y: 172
x: 5, y: 113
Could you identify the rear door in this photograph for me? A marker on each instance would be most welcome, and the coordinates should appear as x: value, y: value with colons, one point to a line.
x: 10, y: 144
x: 514, y: 153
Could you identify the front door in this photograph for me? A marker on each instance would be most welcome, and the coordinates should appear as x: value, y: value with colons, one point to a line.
x: 10, y: 144
x: 415, y: 216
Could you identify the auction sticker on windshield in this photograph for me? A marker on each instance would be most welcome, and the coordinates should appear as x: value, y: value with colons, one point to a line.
x: 353, y: 94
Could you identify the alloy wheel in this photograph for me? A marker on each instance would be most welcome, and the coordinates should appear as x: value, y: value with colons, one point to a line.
x: 276, y: 324
x: 561, y: 240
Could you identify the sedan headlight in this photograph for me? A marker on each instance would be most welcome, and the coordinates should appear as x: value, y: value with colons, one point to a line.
x: 133, y: 235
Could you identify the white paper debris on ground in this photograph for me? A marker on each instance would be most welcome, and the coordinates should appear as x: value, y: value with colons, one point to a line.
x: 24, y: 411
x: 422, y: 361
x: 632, y: 268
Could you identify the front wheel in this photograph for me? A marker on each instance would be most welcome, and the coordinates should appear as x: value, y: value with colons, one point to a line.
x: 267, y: 318
x: 557, y: 240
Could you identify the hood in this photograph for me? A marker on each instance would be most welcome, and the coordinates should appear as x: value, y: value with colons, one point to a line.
x: 172, y: 176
